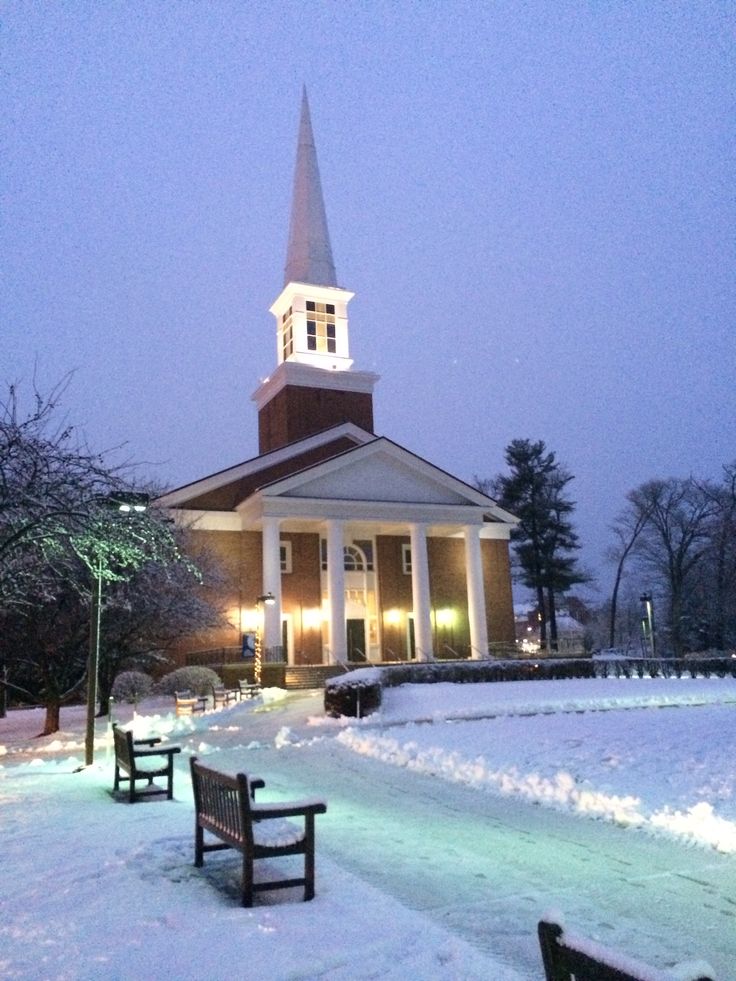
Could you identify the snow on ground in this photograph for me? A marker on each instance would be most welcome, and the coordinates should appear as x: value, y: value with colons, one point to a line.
x: 592, y: 746
x: 97, y: 889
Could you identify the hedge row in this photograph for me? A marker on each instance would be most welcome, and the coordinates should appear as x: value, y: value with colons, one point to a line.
x: 359, y: 693
x: 460, y: 672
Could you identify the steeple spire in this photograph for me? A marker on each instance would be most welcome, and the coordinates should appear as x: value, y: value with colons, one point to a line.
x: 309, y: 256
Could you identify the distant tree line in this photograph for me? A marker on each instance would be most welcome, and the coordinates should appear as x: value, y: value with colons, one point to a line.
x: 70, y: 520
x: 674, y: 555
x: 676, y: 537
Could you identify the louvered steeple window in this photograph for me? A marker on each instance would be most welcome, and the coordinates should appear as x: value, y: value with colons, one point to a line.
x: 321, y: 327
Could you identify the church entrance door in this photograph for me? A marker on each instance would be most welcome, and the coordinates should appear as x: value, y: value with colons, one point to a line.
x: 355, y: 630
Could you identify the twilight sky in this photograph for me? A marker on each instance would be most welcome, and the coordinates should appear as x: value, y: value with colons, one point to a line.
x: 532, y: 201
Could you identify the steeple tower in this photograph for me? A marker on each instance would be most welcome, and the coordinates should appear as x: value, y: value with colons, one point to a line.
x: 309, y: 257
x: 313, y: 388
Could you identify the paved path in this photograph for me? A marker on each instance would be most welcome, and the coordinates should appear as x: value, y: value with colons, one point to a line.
x: 487, y: 867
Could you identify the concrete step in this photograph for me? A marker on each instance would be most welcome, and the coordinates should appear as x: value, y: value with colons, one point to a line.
x: 311, y: 675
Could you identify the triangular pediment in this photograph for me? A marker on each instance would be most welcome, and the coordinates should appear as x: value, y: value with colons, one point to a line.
x: 379, y: 471
x: 226, y: 489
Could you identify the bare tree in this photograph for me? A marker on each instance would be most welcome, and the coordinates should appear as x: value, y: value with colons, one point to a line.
x: 43, y: 643
x: 627, y: 528
x: 672, y: 542
x: 69, y: 523
x: 49, y: 481
x: 146, y: 615
x: 716, y: 590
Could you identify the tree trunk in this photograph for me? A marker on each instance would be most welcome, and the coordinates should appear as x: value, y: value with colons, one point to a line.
x: 678, y: 642
x: 53, y: 713
x: 103, y: 695
x: 542, y: 617
x: 3, y: 692
x: 614, y: 602
x: 554, y: 646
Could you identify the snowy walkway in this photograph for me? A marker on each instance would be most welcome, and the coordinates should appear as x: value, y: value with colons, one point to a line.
x: 418, y: 877
x: 486, y: 867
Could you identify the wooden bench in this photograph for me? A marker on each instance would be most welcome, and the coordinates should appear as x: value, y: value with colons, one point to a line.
x: 571, y: 957
x: 248, y: 690
x: 188, y: 703
x: 142, y: 764
x: 222, y: 697
x: 225, y: 807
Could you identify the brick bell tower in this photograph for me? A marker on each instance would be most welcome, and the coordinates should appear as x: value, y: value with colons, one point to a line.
x: 314, y: 386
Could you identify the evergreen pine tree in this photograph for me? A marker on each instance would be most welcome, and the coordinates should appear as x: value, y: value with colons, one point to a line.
x: 544, y: 539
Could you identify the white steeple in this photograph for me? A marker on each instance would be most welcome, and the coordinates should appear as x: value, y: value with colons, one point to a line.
x: 309, y: 256
x: 311, y: 311
x: 314, y: 386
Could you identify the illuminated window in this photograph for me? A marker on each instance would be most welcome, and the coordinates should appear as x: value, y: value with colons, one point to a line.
x: 358, y: 557
x: 354, y: 559
x: 366, y: 547
x: 406, y: 559
x: 285, y: 548
x: 321, y: 327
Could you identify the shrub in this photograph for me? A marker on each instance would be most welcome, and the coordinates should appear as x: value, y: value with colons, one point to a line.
x: 131, y: 686
x: 195, y: 679
x: 355, y: 694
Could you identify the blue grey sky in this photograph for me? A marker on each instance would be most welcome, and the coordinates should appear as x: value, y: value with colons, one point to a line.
x: 533, y: 202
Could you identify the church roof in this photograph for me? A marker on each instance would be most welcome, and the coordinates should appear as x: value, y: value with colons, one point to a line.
x: 224, y: 490
x: 370, y: 475
x: 309, y: 256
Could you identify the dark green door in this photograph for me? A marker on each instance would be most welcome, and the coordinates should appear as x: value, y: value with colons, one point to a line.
x: 356, y: 640
x: 410, y: 639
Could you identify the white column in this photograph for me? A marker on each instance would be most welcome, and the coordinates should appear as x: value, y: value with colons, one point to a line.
x: 476, y: 593
x: 336, y: 636
x: 420, y: 592
x: 271, y: 583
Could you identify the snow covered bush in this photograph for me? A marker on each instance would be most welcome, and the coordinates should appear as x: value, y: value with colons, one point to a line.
x: 355, y: 694
x: 195, y: 679
x: 131, y: 686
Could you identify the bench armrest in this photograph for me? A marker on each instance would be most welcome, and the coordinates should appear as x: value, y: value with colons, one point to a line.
x: 263, y: 812
x: 159, y: 750
x: 147, y: 742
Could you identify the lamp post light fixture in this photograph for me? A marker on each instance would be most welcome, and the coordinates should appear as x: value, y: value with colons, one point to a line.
x: 124, y: 503
x: 268, y: 599
x: 647, y: 622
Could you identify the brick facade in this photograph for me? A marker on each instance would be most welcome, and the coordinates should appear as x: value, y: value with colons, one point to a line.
x: 240, y: 556
x: 298, y: 411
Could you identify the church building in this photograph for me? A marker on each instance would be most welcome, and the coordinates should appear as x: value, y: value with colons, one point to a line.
x: 365, y: 551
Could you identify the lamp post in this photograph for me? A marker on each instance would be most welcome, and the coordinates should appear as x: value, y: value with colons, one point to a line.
x: 268, y: 599
x: 125, y: 504
x: 647, y: 621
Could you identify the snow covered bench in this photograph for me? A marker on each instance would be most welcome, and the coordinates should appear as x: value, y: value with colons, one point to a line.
x: 188, y: 703
x: 157, y: 760
x: 225, y: 807
x: 571, y: 957
x: 222, y: 697
x: 248, y: 690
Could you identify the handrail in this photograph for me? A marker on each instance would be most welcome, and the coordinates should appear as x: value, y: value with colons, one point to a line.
x: 341, y: 662
x: 482, y: 656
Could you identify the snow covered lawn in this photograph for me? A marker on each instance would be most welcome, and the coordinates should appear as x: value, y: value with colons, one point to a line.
x: 652, y: 753
x: 96, y: 889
